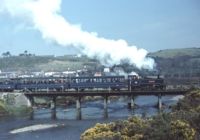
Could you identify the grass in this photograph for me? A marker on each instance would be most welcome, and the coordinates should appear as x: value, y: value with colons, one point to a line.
x: 171, y: 53
x: 46, y: 63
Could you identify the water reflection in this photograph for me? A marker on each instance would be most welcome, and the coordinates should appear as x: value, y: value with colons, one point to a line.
x: 78, y: 114
x: 53, y: 114
x: 105, y: 115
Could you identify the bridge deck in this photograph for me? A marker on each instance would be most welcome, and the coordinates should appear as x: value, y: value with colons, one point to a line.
x: 105, y: 93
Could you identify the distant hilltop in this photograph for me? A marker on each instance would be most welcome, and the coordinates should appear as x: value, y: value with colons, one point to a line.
x: 178, y: 63
x: 174, y: 53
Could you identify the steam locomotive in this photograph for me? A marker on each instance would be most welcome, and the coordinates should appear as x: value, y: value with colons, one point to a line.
x: 131, y: 83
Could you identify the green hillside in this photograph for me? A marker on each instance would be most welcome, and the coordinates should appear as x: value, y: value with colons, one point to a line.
x: 178, y: 62
x: 172, y: 53
x: 46, y: 63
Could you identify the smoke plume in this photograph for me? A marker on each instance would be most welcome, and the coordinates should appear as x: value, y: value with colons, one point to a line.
x: 45, y: 16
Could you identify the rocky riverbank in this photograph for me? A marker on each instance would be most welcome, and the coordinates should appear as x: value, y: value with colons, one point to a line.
x: 14, y: 104
x: 3, y: 110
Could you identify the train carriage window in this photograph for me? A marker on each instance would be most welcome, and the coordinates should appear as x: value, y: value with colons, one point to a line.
x: 82, y: 80
x: 108, y: 80
x: 116, y: 80
x: 66, y: 80
x: 99, y: 80
x: 73, y: 80
x: 87, y: 80
x: 77, y: 80
x: 94, y: 80
x: 111, y: 80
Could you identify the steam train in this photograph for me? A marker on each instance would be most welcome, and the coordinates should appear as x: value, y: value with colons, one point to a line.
x: 130, y: 83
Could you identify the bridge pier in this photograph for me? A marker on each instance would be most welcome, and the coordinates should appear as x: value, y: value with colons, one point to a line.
x: 159, y: 102
x: 132, y: 102
x: 31, y: 99
x: 53, y: 108
x: 78, y: 108
x: 105, y: 106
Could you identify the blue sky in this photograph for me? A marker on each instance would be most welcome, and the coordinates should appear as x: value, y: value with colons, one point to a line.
x: 149, y: 24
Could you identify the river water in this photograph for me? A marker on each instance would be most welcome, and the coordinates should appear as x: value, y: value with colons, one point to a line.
x: 68, y: 128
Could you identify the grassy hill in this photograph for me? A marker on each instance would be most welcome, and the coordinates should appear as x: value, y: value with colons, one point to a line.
x: 173, y: 53
x: 178, y: 62
x: 46, y: 63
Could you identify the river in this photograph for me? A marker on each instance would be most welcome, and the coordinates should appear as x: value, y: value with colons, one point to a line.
x: 66, y: 127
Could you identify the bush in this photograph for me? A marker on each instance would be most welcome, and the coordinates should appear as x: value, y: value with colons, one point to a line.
x: 183, y: 123
x: 180, y: 130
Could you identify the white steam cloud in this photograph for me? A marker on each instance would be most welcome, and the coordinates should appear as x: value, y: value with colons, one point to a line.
x: 45, y: 15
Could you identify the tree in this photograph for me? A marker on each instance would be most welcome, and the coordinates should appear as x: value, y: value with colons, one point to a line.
x: 25, y: 53
x: 6, y: 54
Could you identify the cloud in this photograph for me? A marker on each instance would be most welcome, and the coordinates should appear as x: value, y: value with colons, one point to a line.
x: 45, y: 16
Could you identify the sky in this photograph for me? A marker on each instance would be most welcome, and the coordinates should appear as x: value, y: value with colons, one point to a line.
x: 150, y: 24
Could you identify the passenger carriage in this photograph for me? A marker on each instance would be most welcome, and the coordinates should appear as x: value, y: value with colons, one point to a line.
x: 82, y: 83
x: 7, y: 85
x: 98, y: 82
x: 43, y: 83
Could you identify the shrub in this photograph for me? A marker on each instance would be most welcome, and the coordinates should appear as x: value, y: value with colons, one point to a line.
x: 180, y: 130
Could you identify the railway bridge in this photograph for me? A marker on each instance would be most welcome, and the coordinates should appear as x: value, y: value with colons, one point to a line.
x: 104, y: 93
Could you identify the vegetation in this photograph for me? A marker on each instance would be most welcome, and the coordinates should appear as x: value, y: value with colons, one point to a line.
x: 178, y: 62
x: 6, y: 109
x: 183, y: 123
x: 31, y: 62
x: 173, y: 53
